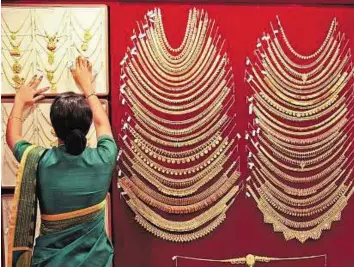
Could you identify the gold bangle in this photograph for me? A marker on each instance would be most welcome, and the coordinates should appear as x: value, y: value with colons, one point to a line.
x: 92, y: 94
x: 18, y: 118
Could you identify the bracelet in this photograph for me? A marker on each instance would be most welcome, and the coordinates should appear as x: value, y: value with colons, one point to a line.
x: 14, y: 117
x: 87, y: 97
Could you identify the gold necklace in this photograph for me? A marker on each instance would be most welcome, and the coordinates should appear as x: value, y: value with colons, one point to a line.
x: 158, y: 180
x: 339, y: 163
x: 199, y: 32
x: 280, y: 52
x: 175, y: 209
x: 263, y: 115
x: 15, y: 50
x: 289, y: 190
x: 14, y: 33
x: 318, y: 51
x: 142, y: 82
x: 303, y: 212
x: 329, y: 70
x: 52, y: 39
x: 219, y: 188
x: 250, y: 259
x: 87, y: 35
x: 161, y: 30
x: 146, y: 122
x: 210, y: 132
x: 217, y: 121
x: 157, y: 28
x: 180, y: 226
x: 50, y: 72
x: 303, y: 76
x: 319, y: 224
x: 337, y: 153
x: 139, y: 158
x: 158, y: 56
x: 211, y: 89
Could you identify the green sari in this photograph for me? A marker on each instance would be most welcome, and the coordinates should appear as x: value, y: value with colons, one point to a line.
x: 71, y: 191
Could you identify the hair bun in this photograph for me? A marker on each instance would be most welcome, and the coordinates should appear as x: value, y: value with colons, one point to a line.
x: 75, y: 142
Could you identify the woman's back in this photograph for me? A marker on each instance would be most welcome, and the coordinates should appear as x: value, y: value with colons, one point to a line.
x: 66, y: 182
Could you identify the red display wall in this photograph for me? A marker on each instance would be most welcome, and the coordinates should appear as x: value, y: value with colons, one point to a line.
x: 243, y: 231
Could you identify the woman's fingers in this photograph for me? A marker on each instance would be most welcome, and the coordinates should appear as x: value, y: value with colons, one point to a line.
x: 36, y: 82
x: 37, y: 98
x: 78, y: 62
x: 32, y: 80
x: 41, y: 90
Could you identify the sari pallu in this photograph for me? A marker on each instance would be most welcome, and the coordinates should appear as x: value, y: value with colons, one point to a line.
x: 24, y: 210
x: 75, y: 238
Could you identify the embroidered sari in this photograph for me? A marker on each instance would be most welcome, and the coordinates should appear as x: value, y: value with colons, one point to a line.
x: 71, y: 191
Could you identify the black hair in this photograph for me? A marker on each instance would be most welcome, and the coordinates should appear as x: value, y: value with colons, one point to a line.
x: 71, y: 118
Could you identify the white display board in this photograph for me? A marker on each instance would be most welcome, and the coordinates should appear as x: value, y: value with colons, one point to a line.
x: 38, y: 130
x: 49, y: 39
x: 6, y: 213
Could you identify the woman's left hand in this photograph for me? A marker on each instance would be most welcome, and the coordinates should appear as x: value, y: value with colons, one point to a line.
x: 29, y: 94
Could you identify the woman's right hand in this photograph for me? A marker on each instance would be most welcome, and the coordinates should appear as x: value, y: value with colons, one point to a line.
x: 82, y: 74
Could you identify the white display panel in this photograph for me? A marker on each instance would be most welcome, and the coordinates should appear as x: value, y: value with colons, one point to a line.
x: 49, y: 39
x: 37, y: 129
x: 6, y: 213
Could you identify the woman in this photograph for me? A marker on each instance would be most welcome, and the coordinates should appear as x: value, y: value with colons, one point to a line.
x: 70, y: 181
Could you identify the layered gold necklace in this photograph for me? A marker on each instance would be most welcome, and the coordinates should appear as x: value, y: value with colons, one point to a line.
x: 301, y: 157
x: 178, y: 136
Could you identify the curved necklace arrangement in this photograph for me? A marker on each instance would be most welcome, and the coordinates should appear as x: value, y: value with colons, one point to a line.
x: 300, y: 156
x: 178, y: 146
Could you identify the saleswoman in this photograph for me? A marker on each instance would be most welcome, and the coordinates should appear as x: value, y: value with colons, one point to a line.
x: 70, y: 181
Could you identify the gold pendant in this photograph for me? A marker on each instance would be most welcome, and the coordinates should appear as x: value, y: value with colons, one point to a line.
x: 51, y: 57
x: 16, y: 67
x: 51, y: 46
x: 15, y: 52
x: 17, y: 80
x: 13, y: 36
x: 53, y: 88
x: 302, y: 164
x: 250, y: 260
x: 50, y: 76
x: 87, y: 35
x: 84, y: 46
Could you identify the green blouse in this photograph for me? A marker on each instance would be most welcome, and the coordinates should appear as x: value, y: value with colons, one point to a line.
x: 66, y: 183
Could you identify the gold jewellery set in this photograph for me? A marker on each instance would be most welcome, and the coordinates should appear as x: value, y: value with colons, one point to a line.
x: 178, y: 146
x: 300, y: 142
x: 33, y: 46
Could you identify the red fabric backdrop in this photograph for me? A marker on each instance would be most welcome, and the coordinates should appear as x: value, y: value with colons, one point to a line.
x: 243, y: 232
